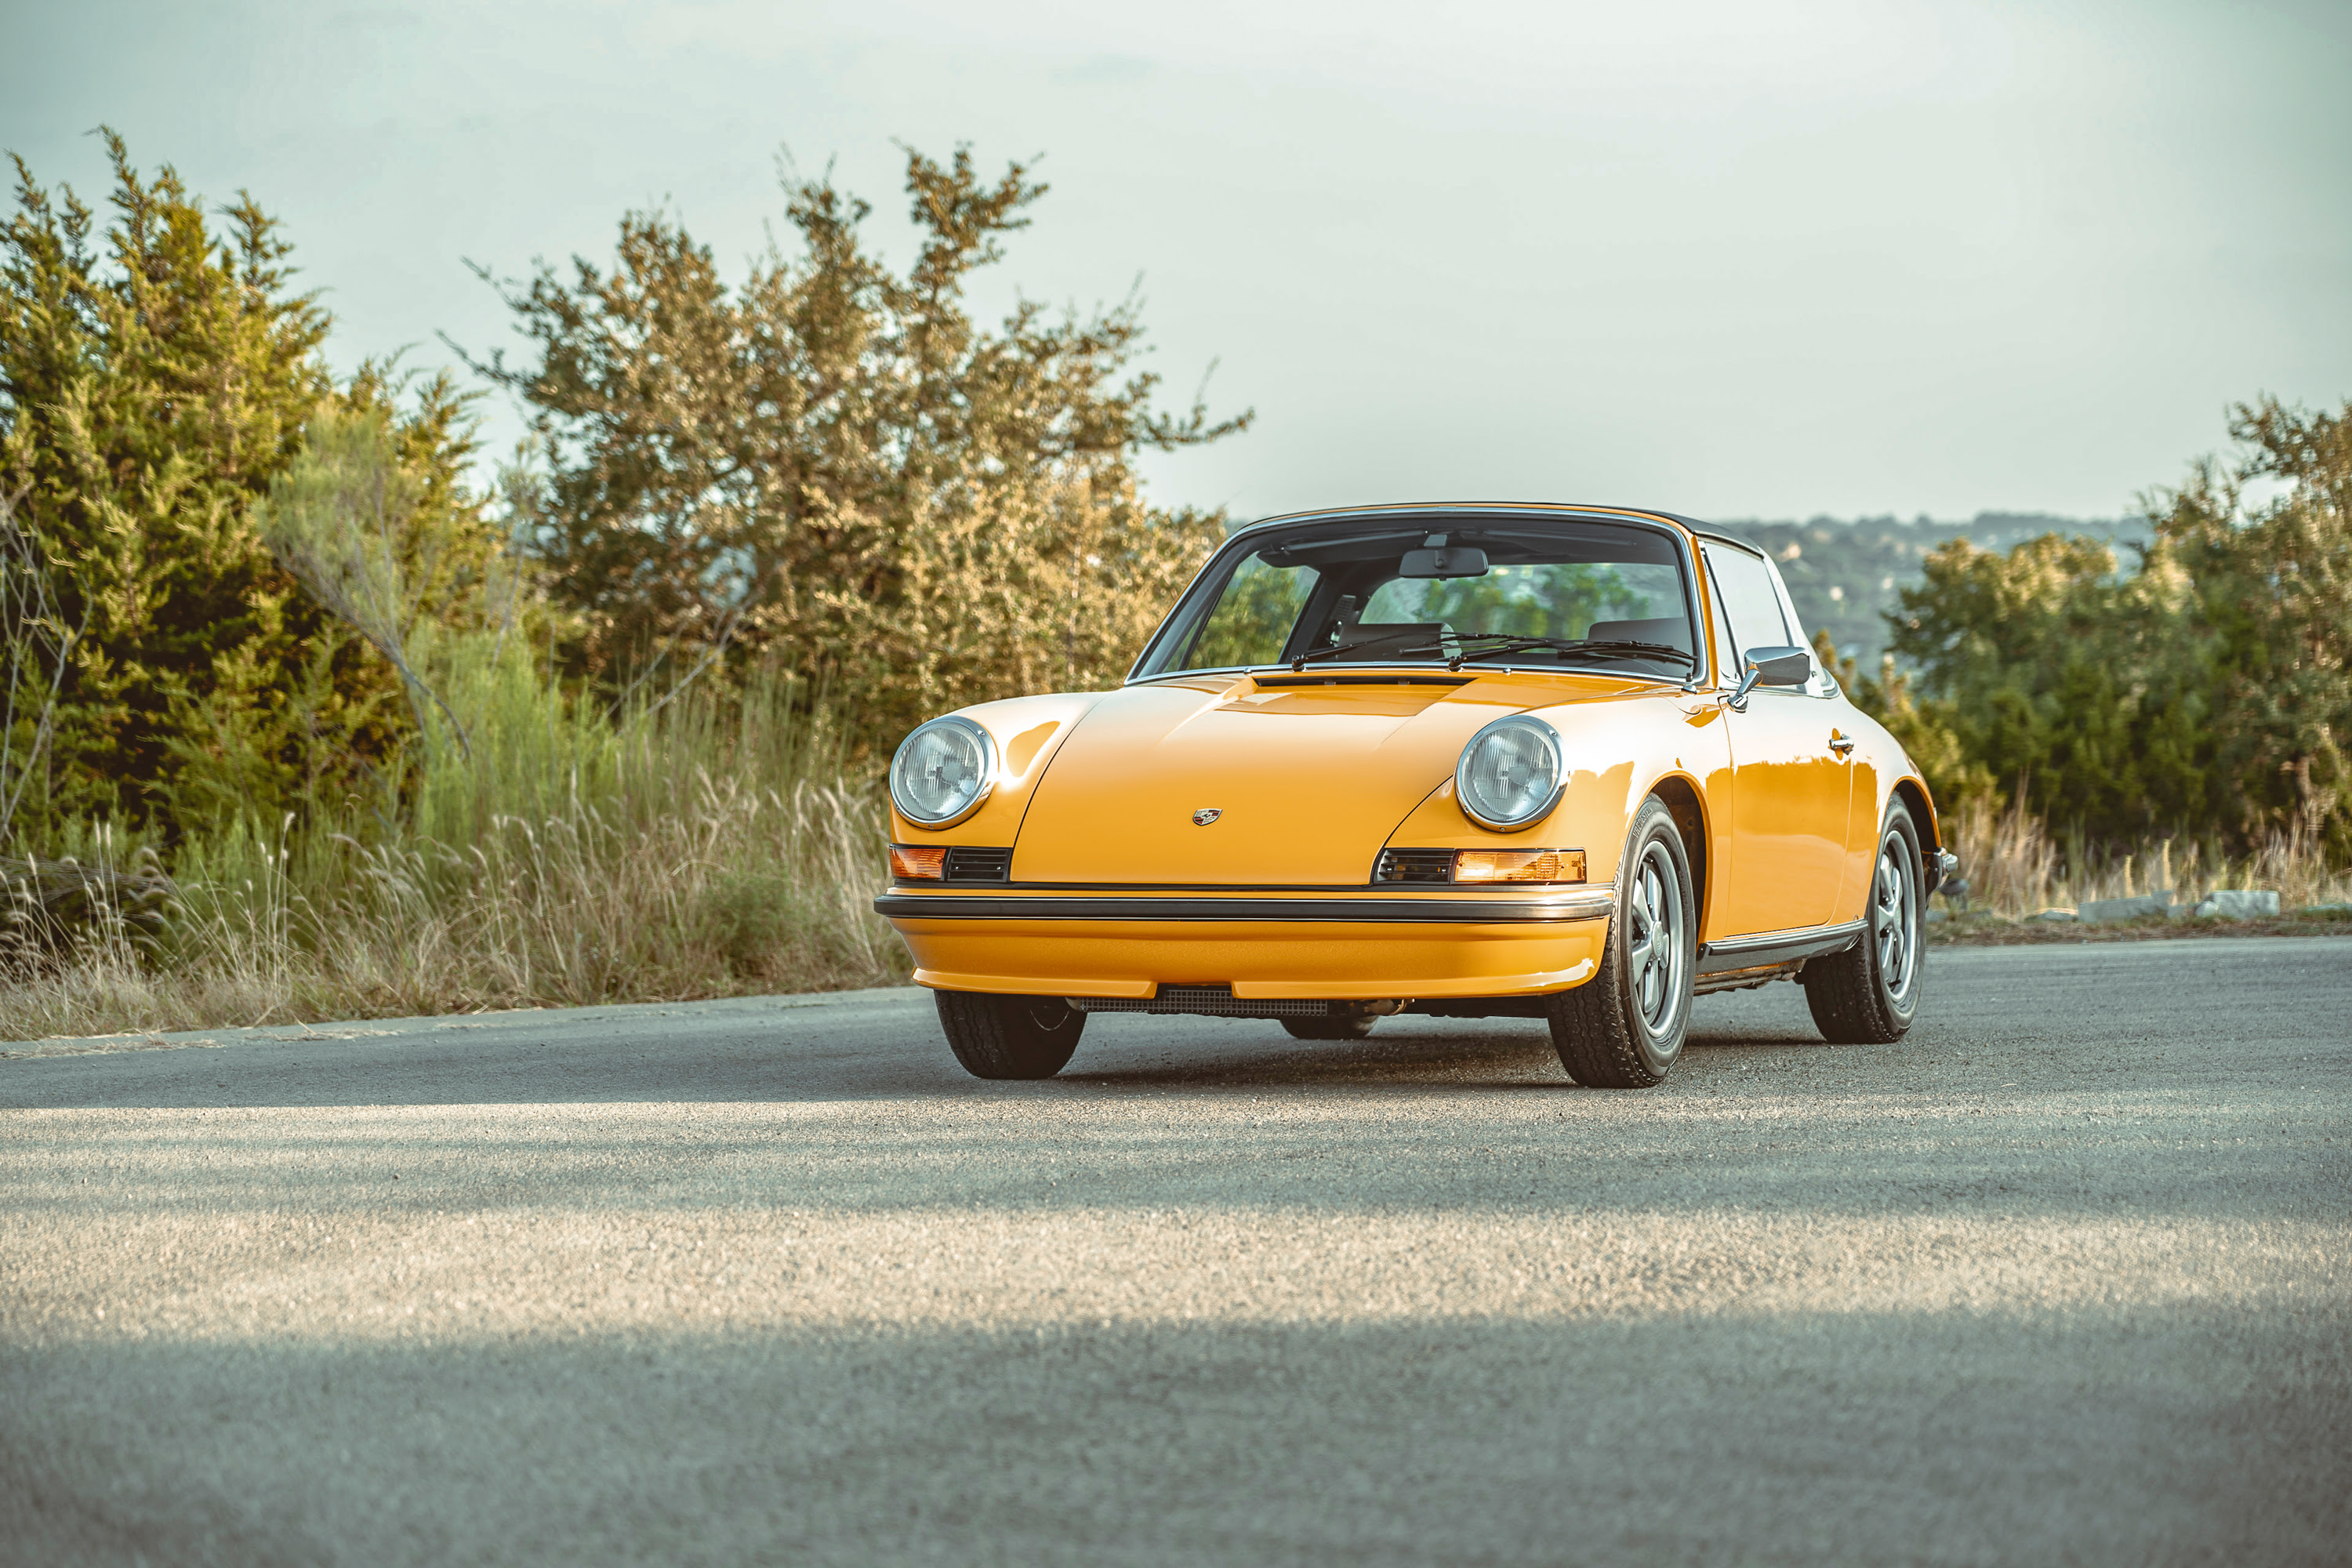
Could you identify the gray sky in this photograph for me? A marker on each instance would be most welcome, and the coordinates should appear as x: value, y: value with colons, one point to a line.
x: 1743, y: 258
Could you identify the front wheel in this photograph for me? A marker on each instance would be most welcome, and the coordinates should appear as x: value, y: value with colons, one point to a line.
x: 1623, y: 1028
x: 1009, y: 1037
x: 1868, y: 995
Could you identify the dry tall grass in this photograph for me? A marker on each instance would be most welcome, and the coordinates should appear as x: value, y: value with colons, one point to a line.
x: 2015, y: 868
x: 710, y: 852
x: 703, y: 854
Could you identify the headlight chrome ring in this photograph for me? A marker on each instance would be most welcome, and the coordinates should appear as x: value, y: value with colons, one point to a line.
x: 942, y: 771
x: 1511, y: 774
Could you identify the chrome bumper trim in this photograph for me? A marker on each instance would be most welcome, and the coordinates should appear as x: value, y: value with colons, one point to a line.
x: 1591, y: 903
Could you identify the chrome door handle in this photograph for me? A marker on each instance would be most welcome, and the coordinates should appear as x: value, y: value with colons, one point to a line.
x: 1841, y: 744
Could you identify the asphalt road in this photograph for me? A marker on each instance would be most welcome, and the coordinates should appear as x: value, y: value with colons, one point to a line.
x: 2062, y: 1278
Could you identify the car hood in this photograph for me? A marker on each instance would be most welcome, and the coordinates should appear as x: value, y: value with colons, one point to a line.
x: 1308, y: 781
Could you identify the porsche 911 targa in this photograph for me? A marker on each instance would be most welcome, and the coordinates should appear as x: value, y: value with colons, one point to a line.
x: 1566, y: 763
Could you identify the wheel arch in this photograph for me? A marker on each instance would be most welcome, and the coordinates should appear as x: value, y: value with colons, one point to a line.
x: 1688, y: 806
x: 1914, y: 796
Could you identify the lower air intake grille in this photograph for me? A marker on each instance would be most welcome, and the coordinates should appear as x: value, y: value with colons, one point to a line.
x: 1414, y: 866
x: 1213, y: 1001
x: 967, y: 864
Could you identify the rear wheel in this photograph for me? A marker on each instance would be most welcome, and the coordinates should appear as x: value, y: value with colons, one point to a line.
x: 1009, y: 1037
x: 1623, y: 1028
x: 1868, y: 995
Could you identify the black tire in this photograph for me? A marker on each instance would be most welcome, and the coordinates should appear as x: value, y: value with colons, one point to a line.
x: 1868, y: 995
x: 1009, y: 1037
x: 1337, y: 1026
x: 1623, y: 1028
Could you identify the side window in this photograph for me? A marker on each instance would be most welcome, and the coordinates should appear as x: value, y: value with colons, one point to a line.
x: 1727, y: 657
x: 1823, y: 684
x: 1750, y: 601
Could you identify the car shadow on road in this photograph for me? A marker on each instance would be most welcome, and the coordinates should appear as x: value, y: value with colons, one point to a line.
x: 1251, y: 1055
x: 1497, y: 1054
x: 864, y: 1060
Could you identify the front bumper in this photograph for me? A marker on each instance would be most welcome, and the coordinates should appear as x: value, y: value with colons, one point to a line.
x: 1370, y: 946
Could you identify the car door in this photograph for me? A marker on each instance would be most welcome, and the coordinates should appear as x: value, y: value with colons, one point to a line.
x: 1790, y: 788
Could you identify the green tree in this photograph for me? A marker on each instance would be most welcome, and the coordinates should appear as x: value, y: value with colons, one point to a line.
x: 2266, y: 592
x: 379, y: 590
x: 356, y: 525
x: 2057, y: 676
x: 155, y: 379
x: 2203, y: 692
x: 833, y: 466
x: 151, y: 382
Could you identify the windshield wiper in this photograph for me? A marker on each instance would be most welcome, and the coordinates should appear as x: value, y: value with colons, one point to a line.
x: 1499, y: 645
x: 1494, y: 643
x: 1300, y: 661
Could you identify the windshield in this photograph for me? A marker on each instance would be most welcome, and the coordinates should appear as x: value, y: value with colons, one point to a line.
x: 1524, y: 591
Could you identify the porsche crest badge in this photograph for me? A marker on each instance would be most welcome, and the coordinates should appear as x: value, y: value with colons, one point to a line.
x: 1205, y: 815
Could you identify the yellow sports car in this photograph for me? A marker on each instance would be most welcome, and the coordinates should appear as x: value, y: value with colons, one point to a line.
x: 1564, y: 762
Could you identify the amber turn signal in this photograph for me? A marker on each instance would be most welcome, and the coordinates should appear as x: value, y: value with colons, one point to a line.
x: 1518, y: 865
x: 918, y: 862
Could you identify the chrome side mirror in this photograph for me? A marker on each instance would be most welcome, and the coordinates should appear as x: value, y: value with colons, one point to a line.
x: 1771, y: 666
x: 1780, y: 666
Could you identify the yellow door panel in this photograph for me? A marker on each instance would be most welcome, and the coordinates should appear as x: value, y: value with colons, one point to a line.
x: 1788, y: 816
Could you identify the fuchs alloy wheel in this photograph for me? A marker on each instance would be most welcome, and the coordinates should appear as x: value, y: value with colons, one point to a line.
x: 1868, y: 995
x: 1623, y: 1028
x: 1009, y: 1037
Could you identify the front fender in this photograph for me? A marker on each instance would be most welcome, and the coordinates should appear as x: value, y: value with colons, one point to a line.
x: 1027, y: 731
x: 1618, y: 752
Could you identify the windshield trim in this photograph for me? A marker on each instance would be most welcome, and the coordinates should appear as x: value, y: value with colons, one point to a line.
x: 1246, y: 541
x: 1491, y: 667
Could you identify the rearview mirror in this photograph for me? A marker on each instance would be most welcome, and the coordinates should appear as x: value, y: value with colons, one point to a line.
x: 1455, y: 561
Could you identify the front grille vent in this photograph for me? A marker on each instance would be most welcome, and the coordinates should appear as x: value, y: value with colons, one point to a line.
x: 1414, y: 866
x: 1208, y: 1001
x: 969, y: 864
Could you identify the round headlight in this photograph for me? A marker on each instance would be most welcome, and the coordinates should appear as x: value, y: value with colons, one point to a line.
x: 1510, y: 774
x: 942, y: 771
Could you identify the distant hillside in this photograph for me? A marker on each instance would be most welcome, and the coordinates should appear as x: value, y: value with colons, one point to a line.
x: 1845, y: 575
